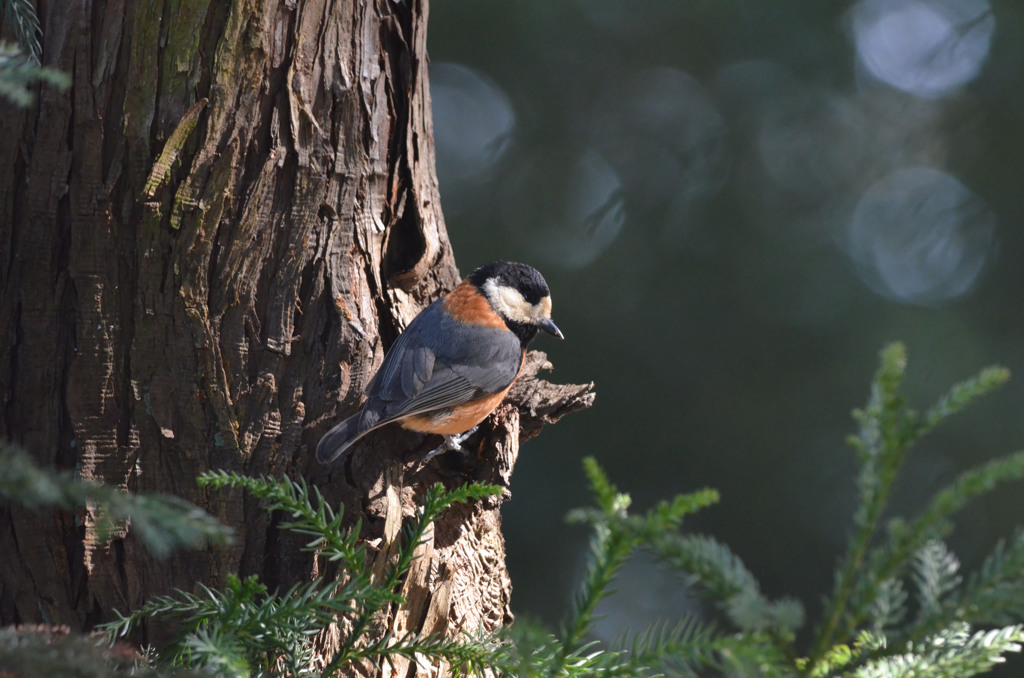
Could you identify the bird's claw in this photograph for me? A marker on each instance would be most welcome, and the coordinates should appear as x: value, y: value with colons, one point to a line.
x: 450, y: 443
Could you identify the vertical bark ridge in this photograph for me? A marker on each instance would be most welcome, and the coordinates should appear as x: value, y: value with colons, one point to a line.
x: 210, y: 202
x: 40, y: 340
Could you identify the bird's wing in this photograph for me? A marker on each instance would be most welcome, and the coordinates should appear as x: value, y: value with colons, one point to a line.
x: 438, y: 362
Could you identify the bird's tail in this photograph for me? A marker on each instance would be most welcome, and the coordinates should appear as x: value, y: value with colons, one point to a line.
x: 344, y: 435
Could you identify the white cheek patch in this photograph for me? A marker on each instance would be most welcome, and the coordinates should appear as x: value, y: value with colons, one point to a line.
x: 509, y: 303
x: 542, y: 309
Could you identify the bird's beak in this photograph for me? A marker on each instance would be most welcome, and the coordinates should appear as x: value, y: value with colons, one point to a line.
x: 551, y: 328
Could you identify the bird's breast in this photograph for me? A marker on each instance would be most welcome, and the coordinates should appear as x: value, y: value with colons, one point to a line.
x: 457, y: 419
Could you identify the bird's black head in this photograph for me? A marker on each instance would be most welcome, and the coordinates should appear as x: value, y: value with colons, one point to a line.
x: 520, y: 295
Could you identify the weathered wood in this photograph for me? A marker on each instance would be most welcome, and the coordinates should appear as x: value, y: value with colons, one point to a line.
x: 207, y: 246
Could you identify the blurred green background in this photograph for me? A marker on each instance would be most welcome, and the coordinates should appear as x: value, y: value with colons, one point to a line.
x: 736, y: 204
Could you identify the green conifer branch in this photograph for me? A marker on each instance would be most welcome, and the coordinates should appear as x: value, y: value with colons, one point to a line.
x: 995, y: 593
x: 615, y: 534
x: 22, y: 15
x: 436, y: 500
x: 18, y: 72
x: 954, y: 652
x: 609, y: 549
x: 963, y: 394
x: 888, y: 606
x: 681, y: 649
x: 730, y: 584
x: 310, y: 514
x: 933, y: 523
x: 992, y: 596
x: 244, y: 628
x: 888, y: 429
x: 751, y: 655
x: 162, y: 522
x: 936, y: 574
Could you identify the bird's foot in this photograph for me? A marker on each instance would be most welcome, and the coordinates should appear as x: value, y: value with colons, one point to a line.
x: 450, y: 443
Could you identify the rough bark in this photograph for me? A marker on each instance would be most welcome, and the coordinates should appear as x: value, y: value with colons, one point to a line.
x: 206, y: 246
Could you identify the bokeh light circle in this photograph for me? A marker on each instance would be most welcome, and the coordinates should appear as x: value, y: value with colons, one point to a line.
x: 921, y: 237
x: 474, y: 124
x: 664, y: 135
x: 925, y: 47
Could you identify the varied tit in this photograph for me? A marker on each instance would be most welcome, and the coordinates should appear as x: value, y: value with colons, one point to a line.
x: 455, y: 361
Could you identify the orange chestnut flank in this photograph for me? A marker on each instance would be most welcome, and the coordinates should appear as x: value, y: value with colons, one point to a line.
x: 455, y: 361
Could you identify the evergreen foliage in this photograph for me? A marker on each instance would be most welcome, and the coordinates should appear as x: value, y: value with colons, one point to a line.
x: 162, y: 522
x: 900, y: 605
x: 245, y: 629
x: 57, y: 653
x: 21, y: 14
x: 20, y: 65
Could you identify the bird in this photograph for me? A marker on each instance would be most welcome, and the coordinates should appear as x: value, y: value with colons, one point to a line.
x: 454, y: 363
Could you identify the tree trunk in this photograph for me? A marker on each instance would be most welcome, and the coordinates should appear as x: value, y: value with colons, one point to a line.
x: 206, y: 246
